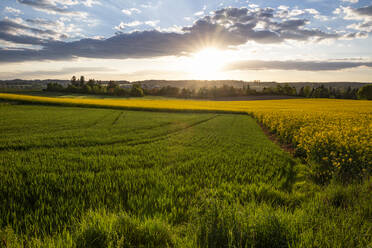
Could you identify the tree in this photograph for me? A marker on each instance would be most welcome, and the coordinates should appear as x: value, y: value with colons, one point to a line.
x: 136, y: 91
x: 74, y: 81
x: 121, y: 92
x: 301, y: 92
x: 112, y: 85
x: 307, y: 91
x: 202, y: 92
x: 54, y: 87
x: 320, y: 92
x: 268, y: 90
x: 82, y: 81
x: 91, y: 82
x: 249, y: 91
x: 365, y: 92
x: 185, y: 93
x: 72, y: 88
x: 169, y: 91
x: 311, y: 92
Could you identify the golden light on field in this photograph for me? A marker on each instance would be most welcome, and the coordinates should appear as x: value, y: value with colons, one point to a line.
x: 207, y: 63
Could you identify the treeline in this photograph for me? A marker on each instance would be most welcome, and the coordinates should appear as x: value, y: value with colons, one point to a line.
x: 319, y: 92
x: 364, y: 92
x: 135, y: 90
x: 95, y: 87
x: 204, y: 92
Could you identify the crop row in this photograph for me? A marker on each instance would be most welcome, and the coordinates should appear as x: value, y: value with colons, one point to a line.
x: 333, y: 136
x: 79, y: 177
x: 148, y: 164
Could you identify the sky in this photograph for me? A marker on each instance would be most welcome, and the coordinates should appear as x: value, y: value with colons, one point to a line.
x: 267, y: 40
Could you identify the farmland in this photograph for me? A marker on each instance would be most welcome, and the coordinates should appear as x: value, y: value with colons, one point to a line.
x: 334, y: 134
x: 113, y: 177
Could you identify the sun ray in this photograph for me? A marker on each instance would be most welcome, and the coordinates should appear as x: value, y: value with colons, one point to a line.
x: 206, y: 64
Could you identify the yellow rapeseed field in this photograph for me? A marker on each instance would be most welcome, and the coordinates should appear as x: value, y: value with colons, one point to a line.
x: 333, y: 134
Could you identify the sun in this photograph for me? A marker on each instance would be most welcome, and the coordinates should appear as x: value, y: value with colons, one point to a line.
x: 206, y: 64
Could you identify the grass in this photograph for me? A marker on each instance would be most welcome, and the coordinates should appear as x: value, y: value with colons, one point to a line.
x: 331, y: 136
x: 83, y: 177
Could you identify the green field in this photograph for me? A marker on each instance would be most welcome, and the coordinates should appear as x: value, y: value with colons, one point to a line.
x: 85, y: 177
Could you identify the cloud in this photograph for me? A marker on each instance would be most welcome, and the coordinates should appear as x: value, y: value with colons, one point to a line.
x: 17, y: 32
x: 12, y: 10
x: 260, y: 25
x: 364, y: 26
x: 37, y: 31
x: 54, y: 7
x: 123, y: 25
x: 131, y: 11
x: 357, y: 35
x: 133, y: 45
x: 201, y: 12
x: 364, y: 11
x: 350, y: 1
x: 295, y: 65
x: 146, y: 6
x: 62, y: 71
x: 285, y: 12
x: 224, y: 28
x: 60, y: 26
x: 152, y: 23
x: 363, y: 14
x: 87, y: 3
x: 90, y: 3
x: 40, y: 21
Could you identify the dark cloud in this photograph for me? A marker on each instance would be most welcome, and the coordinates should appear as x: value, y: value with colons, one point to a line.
x: 50, y: 7
x: 359, y: 35
x: 39, y: 21
x: 42, y: 4
x: 14, y: 32
x: 20, y: 39
x: 8, y: 25
x: 295, y: 65
x: 367, y: 11
x: 241, y: 15
x: 289, y: 24
x: 134, y: 45
x: 224, y: 28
